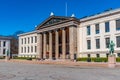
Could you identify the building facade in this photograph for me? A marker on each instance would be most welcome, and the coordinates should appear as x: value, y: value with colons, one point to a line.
x: 28, y: 44
x: 96, y: 32
x: 68, y: 37
x: 4, y: 45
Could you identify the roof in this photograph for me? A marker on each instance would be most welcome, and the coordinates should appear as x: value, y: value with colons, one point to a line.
x: 27, y: 33
x: 5, y: 38
x: 102, y: 14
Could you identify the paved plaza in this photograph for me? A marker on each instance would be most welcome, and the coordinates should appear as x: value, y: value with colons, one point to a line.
x: 24, y: 71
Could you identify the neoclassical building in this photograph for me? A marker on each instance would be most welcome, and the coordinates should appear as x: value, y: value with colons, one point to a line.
x: 68, y: 37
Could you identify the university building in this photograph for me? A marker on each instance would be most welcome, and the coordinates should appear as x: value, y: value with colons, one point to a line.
x: 68, y: 37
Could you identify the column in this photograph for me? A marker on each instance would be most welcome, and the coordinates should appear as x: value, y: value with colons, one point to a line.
x: 63, y: 44
x: 44, y: 45
x: 50, y: 44
x: 71, y: 42
x: 39, y: 45
x: 56, y: 44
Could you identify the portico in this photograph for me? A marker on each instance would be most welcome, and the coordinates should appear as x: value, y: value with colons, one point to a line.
x: 57, y: 38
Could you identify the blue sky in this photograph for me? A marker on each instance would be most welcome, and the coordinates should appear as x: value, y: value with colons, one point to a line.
x: 23, y: 15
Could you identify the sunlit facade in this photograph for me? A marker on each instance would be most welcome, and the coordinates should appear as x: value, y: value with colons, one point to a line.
x: 68, y: 37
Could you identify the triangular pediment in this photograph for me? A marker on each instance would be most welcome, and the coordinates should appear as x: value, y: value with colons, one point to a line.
x: 52, y: 20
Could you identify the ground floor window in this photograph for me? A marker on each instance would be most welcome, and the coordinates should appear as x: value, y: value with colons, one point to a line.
x: 118, y: 41
x: 4, y: 51
x: 88, y: 55
x: 97, y: 55
x: 107, y: 54
x: 118, y: 54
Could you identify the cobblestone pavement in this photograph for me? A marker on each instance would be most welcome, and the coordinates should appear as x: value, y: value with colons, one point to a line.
x: 23, y: 71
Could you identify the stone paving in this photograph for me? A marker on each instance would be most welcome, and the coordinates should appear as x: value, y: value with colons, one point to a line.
x: 26, y: 71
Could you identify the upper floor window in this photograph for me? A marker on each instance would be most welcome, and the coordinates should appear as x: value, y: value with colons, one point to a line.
x: 88, y: 44
x: 97, y: 29
x: 107, y: 27
x: 21, y: 41
x: 118, y: 41
x: 35, y: 39
x: 28, y: 40
x: 107, y: 42
x: 4, y: 43
x: 97, y: 43
x: 88, y: 30
x: 118, y: 24
x: 31, y: 39
x: 25, y: 40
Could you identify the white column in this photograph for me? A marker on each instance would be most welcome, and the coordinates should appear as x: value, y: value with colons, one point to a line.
x: 71, y: 42
x: 50, y: 44
x: 44, y: 44
x: 39, y: 45
x: 63, y: 43
x: 56, y: 44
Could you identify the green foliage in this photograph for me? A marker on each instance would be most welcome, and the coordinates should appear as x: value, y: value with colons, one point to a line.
x: 93, y: 59
x: 118, y: 59
x: 1, y: 57
x: 24, y: 58
x: 81, y: 59
x: 98, y: 60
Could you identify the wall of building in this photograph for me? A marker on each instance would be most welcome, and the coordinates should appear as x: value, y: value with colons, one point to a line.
x: 28, y: 45
x: 83, y: 37
x: 4, y: 48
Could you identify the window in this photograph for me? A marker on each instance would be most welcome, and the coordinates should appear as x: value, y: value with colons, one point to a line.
x: 88, y: 44
x: 21, y: 49
x: 31, y: 48
x: 88, y: 30
x: 97, y: 43
x: 107, y: 42
x: 89, y: 55
x: 98, y: 55
x: 97, y: 29
x: 28, y: 49
x: 4, y: 51
x: 118, y: 24
x: 25, y: 40
x: 118, y: 41
x: 107, y: 29
x: 28, y: 40
x: 21, y: 41
x: 31, y: 39
x: 35, y: 39
x: 4, y: 43
x: 107, y: 54
x: 35, y: 48
x: 118, y: 54
x: 24, y: 49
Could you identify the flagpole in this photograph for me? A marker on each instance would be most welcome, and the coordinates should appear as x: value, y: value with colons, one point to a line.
x: 66, y: 9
